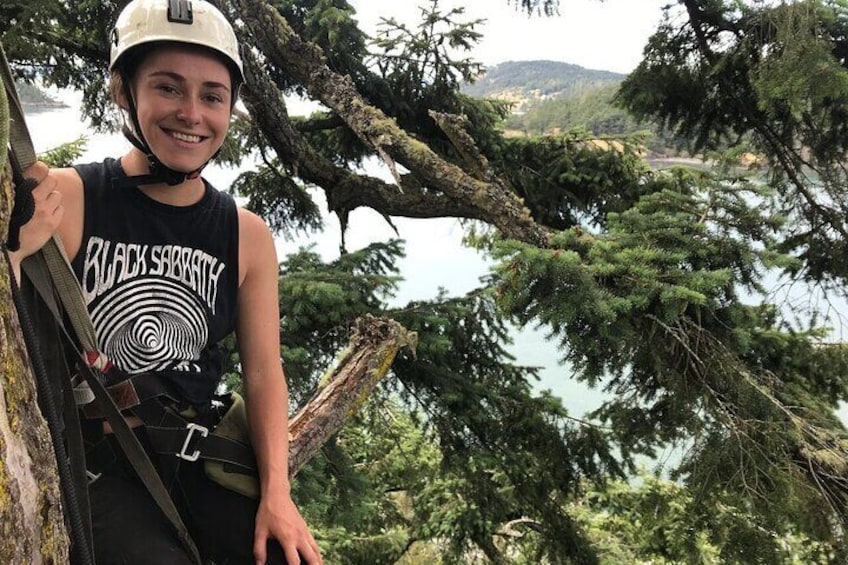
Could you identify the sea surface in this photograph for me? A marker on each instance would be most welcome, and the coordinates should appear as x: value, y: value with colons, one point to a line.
x: 435, y: 256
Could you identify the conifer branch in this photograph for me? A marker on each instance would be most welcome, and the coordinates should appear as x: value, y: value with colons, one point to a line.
x: 306, y: 63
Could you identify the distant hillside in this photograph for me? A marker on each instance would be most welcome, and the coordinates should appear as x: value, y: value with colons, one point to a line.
x: 526, y: 83
x: 33, y: 99
x: 594, y: 112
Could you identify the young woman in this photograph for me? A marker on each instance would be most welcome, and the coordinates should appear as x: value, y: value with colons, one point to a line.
x: 169, y: 266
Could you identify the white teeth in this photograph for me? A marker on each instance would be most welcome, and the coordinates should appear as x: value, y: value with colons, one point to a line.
x: 186, y: 137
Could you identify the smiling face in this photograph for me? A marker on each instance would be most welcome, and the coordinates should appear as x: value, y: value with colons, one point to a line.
x: 183, y: 99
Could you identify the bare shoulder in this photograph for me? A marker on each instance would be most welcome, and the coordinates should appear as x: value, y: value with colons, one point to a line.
x: 69, y: 183
x: 251, y: 225
x: 256, y: 244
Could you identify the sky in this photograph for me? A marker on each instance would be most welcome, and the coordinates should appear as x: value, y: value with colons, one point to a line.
x: 606, y: 35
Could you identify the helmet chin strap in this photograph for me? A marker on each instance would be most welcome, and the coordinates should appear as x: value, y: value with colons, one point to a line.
x: 159, y: 172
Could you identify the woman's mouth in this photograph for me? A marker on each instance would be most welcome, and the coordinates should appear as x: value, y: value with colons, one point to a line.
x: 185, y: 137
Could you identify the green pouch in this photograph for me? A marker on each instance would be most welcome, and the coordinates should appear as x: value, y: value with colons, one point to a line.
x: 233, y: 425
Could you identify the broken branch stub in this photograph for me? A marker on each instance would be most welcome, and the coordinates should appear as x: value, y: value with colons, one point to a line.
x: 373, y: 344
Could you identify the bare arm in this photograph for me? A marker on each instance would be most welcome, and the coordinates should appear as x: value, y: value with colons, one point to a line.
x: 58, y: 209
x: 258, y: 335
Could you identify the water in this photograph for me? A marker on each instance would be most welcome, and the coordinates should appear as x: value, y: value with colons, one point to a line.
x: 435, y: 257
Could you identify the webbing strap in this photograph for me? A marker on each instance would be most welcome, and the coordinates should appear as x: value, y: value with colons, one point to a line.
x: 24, y: 152
x: 36, y: 271
x: 141, y: 462
x: 22, y: 155
x: 70, y: 293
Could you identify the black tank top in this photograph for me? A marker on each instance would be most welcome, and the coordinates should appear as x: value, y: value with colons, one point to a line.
x: 160, y: 281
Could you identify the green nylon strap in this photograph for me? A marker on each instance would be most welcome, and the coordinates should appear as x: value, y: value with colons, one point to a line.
x: 22, y: 154
x: 70, y: 293
x: 23, y: 151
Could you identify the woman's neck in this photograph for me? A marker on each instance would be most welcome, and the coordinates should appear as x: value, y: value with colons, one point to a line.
x: 186, y: 193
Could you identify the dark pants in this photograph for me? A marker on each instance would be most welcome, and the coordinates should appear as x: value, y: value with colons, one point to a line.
x: 129, y: 528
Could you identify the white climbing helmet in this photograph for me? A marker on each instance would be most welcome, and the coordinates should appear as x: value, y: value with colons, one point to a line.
x: 184, y: 21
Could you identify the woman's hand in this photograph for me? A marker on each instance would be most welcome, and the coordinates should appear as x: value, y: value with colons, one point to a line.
x: 47, y: 215
x: 280, y: 519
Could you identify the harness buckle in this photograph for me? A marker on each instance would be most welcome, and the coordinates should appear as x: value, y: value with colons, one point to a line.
x: 192, y: 427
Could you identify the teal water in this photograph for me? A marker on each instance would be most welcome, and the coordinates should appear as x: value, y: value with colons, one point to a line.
x: 435, y: 257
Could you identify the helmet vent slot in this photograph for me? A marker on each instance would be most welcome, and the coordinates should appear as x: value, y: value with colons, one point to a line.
x: 179, y: 11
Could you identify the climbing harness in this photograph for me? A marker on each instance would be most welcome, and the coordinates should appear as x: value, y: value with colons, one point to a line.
x: 51, y: 292
x: 52, y: 280
x: 20, y: 155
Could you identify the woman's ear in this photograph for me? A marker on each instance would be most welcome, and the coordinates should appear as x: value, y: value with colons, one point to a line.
x: 122, y: 101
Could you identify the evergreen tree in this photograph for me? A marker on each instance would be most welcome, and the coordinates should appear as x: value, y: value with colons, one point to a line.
x: 650, y: 281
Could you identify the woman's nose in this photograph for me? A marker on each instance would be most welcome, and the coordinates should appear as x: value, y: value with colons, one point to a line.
x: 189, y: 111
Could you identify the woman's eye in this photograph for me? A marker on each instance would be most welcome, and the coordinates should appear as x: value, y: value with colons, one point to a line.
x: 167, y: 88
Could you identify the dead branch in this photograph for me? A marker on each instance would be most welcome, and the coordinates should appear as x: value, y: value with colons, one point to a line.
x: 373, y: 345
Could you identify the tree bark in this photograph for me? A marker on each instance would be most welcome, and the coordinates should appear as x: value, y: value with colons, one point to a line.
x: 492, y: 202
x: 359, y: 367
x: 345, y: 190
x: 31, y: 526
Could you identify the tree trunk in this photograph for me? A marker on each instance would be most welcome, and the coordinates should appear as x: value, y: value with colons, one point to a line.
x: 31, y: 527
x: 32, y: 530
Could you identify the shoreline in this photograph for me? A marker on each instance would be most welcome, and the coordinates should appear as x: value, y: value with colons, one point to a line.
x: 37, y: 107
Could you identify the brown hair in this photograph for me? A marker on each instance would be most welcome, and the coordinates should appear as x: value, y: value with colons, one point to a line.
x: 125, y: 70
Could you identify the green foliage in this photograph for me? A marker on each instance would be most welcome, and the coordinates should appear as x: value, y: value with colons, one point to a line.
x: 507, y: 454
x: 650, y: 309
x: 277, y: 197
x: 319, y: 301
x: 574, y: 179
x: 775, y: 74
x: 595, y: 112
x: 651, y: 285
x: 332, y: 25
x: 592, y: 111
x: 365, y: 483
x: 419, y: 60
x: 542, y: 7
x: 663, y: 248
x: 516, y: 454
x: 65, y: 155
x: 418, y: 74
x: 661, y: 522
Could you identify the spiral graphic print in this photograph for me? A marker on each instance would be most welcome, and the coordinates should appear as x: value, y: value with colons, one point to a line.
x: 149, y: 324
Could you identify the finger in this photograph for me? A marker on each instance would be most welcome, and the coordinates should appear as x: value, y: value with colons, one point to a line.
x: 37, y: 171
x: 58, y: 213
x: 318, y: 559
x: 260, y: 543
x: 54, y: 197
x: 292, y: 556
x: 47, y: 186
x: 50, y: 205
x: 310, y: 556
x: 314, y: 554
